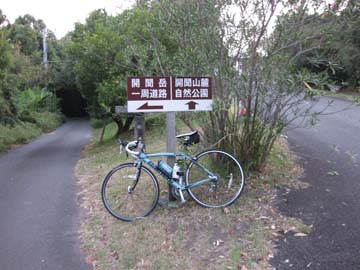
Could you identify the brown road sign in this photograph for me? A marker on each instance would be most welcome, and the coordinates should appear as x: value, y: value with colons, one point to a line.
x: 190, y: 88
x: 149, y: 88
x: 161, y: 94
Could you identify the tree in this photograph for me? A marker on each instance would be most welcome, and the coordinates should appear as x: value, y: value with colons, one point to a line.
x: 95, y: 48
x: 106, y: 50
x: 330, y: 42
x: 232, y: 41
x: 21, y: 68
x: 348, y: 42
x: 7, y: 92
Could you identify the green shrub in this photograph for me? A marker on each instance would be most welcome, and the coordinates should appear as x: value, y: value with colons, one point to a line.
x: 32, y: 99
x: 155, y: 120
x: 21, y: 132
x: 47, y: 121
x: 96, y: 123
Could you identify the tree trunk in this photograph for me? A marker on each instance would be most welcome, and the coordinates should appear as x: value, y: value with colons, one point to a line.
x: 119, y: 124
x: 123, y: 127
x: 103, y: 132
x: 128, y: 122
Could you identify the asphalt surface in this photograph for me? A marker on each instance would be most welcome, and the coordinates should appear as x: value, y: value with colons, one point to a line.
x: 332, y: 202
x: 39, y: 215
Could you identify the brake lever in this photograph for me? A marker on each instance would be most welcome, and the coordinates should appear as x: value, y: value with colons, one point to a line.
x: 121, y: 149
x: 122, y: 145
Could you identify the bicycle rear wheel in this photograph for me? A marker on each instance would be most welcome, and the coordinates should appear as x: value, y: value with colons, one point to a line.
x: 223, y: 190
x: 128, y: 197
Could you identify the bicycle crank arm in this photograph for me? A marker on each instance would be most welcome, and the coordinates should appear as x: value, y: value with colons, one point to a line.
x: 182, y: 196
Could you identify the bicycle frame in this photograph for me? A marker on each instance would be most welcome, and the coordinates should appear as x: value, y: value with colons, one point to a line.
x: 146, y: 159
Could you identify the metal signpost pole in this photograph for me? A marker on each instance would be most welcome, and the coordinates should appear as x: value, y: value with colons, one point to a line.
x: 139, y: 126
x: 171, y: 142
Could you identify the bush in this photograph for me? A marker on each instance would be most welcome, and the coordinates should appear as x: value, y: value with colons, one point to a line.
x: 47, y: 121
x: 155, y: 120
x: 32, y: 99
x: 97, y: 123
x: 23, y: 132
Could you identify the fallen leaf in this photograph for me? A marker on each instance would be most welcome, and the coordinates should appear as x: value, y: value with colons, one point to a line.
x: 226, y: 210
x: 244, y: 254
x: 218, y: 242
x: 115, y: 255
x: 90, y: 260
x: 333, y: 173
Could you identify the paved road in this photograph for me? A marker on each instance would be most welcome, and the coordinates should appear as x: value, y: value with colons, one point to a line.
x: 332, y: 202
x: 39, y: 216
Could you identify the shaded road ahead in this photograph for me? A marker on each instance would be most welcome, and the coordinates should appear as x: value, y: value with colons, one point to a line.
x: 39, y: 216
x: 332, y: 202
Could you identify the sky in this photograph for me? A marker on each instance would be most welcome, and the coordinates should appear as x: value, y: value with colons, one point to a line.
x: 60, y: 16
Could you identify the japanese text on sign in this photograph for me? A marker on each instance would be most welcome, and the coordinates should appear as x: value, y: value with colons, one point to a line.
x: 191, y: 88
x: 149, y: 88
x: 169, y: 93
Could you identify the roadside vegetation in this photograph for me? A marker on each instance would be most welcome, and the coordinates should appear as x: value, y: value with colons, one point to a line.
x: 28, y: 105
x: 24, y: 131
x: 269, y: 57
x: 241, y: 236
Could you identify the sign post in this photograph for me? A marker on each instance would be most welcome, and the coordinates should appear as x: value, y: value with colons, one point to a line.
x: 169, y: 94
x: 139, y: 126
x: 171, y: 143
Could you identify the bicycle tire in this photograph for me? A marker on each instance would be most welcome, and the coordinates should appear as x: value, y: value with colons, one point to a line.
x: 124, y: 204
x: 218, y: 193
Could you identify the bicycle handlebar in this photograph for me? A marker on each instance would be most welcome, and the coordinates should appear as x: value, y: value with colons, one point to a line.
x: 132, y: 144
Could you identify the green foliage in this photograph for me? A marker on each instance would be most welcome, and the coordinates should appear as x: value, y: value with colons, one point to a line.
x: 270, y: 73
x: 19, y: 133
x: 112, y: 93
x: 348, y: 42
x: 26, y: 109
x: 329, y: 41
x: 32, y: 99
x: 155, y: 121
x: 26, y: 33
x: 23, y: 132
x: 96, y: 123
x: 47, y: 121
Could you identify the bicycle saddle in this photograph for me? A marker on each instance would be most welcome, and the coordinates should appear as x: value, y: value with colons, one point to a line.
x: 190, y: 138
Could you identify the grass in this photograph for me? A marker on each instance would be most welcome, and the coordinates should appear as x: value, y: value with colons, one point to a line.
x: 23, y: 132
x: 352, y: 95
x: 188, y: 236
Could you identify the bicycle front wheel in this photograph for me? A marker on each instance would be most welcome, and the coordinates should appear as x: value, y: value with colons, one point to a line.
x: 129, y: 193
x: 227, y: 184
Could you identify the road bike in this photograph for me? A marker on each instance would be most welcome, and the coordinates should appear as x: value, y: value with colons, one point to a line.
x: 212, y: 178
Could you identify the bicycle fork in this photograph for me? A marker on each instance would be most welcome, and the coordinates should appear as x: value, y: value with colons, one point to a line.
x: 135, y: 178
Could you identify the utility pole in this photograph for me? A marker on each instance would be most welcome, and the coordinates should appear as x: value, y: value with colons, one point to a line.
x: 45, y: 60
